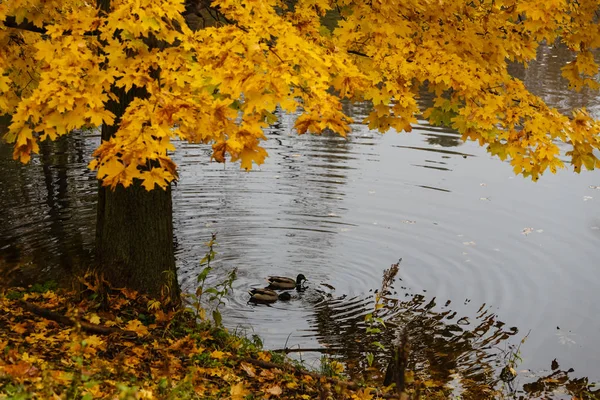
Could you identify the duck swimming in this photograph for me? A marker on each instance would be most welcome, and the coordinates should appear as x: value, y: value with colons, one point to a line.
x: 267, y: 296
x: 283, y: 283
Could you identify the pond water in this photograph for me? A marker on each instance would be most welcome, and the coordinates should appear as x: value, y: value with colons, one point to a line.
x: 474, y: 237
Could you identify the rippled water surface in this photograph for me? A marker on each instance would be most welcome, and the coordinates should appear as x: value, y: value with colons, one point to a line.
x: 341, y: 211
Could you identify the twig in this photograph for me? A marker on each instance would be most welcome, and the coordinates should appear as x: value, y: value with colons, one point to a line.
x: 357, y: 53
x: 63, y: 319
x: 315, y: 349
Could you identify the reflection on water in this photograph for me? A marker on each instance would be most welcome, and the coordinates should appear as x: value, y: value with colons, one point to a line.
x: 446, y: 353
x: 48, y: 211
x: 543, y: 77
x: 339, y: 210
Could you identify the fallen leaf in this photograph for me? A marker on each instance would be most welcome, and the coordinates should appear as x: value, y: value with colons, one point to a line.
x: 249, y: 369
x: 337, y: 366
x: 238, y: 391
x: 363, y: 394
x: 275, y: 390
x: 94, y: 341
x: 94, y: 319
x: 217, y: 354
x: 137, y: 327
x: 526, y: 231
x: 20, y: 328
x: 267, y: 374
x: 291, y: 385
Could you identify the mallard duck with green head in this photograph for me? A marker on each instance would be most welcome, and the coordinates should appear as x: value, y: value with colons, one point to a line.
x: 284, y: 283
x: 267, y: 296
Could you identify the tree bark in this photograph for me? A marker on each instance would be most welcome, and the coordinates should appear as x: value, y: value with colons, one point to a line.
x: 134, y: 240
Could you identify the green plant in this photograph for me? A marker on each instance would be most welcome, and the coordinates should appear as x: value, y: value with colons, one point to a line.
x: 215, y: 294
x: 374, y: 323
x: 512, y: 358
x: 43, y: 287
x: 330, y: 367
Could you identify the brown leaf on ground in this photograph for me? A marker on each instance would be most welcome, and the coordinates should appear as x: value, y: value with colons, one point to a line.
x: 249, y: 369
x: 274, y: 390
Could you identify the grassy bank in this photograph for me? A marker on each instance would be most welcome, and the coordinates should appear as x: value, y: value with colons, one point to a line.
x: 84, y: 345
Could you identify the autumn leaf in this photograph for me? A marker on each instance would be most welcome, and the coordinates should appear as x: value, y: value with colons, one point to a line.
x: 221, y: 86
x: 94, y: 341
x: 337, y: 367
x: 363, y: 394
x: 291, y: 385
x: 21, y: 369
x: 20, y: 328
x: 274, y: 390
x: 217, y: 354
x: 264, y: 356
x: 155, y: 177
x: 238, y: 391
x: 94, y: 319
x: 136, y: 326
x: 249, y: 369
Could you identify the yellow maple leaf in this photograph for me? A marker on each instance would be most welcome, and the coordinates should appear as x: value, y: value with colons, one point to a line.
x: 238, y: 391
x: 146, y: 394
x: 337, y: 367
x: 157, y: 176
x: 94, y: 341
x: 291, y: 385
x: 217, y: 354
x: 363, y: 394
x: 248, y: 156
x: 20, y: 328
x: 136, y: 326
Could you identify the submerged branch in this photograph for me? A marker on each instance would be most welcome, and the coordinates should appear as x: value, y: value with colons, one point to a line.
x: 287, y: 350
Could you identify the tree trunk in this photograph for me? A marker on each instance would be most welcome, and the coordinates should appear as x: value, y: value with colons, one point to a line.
x: 134, y: 229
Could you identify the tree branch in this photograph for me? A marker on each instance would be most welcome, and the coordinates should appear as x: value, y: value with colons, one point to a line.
x: 63, y: 319
x: 11, y: 22
x: 358, y: 53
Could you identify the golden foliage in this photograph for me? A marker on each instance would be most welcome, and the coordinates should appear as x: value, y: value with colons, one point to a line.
x: 169, y: 356
x: 222, y: 84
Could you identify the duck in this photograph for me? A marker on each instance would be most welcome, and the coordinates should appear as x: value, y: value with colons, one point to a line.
x: 267, y: 296
x: 284, y: 283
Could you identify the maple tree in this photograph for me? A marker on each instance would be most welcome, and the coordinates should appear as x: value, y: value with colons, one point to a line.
x: 215, y: 72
